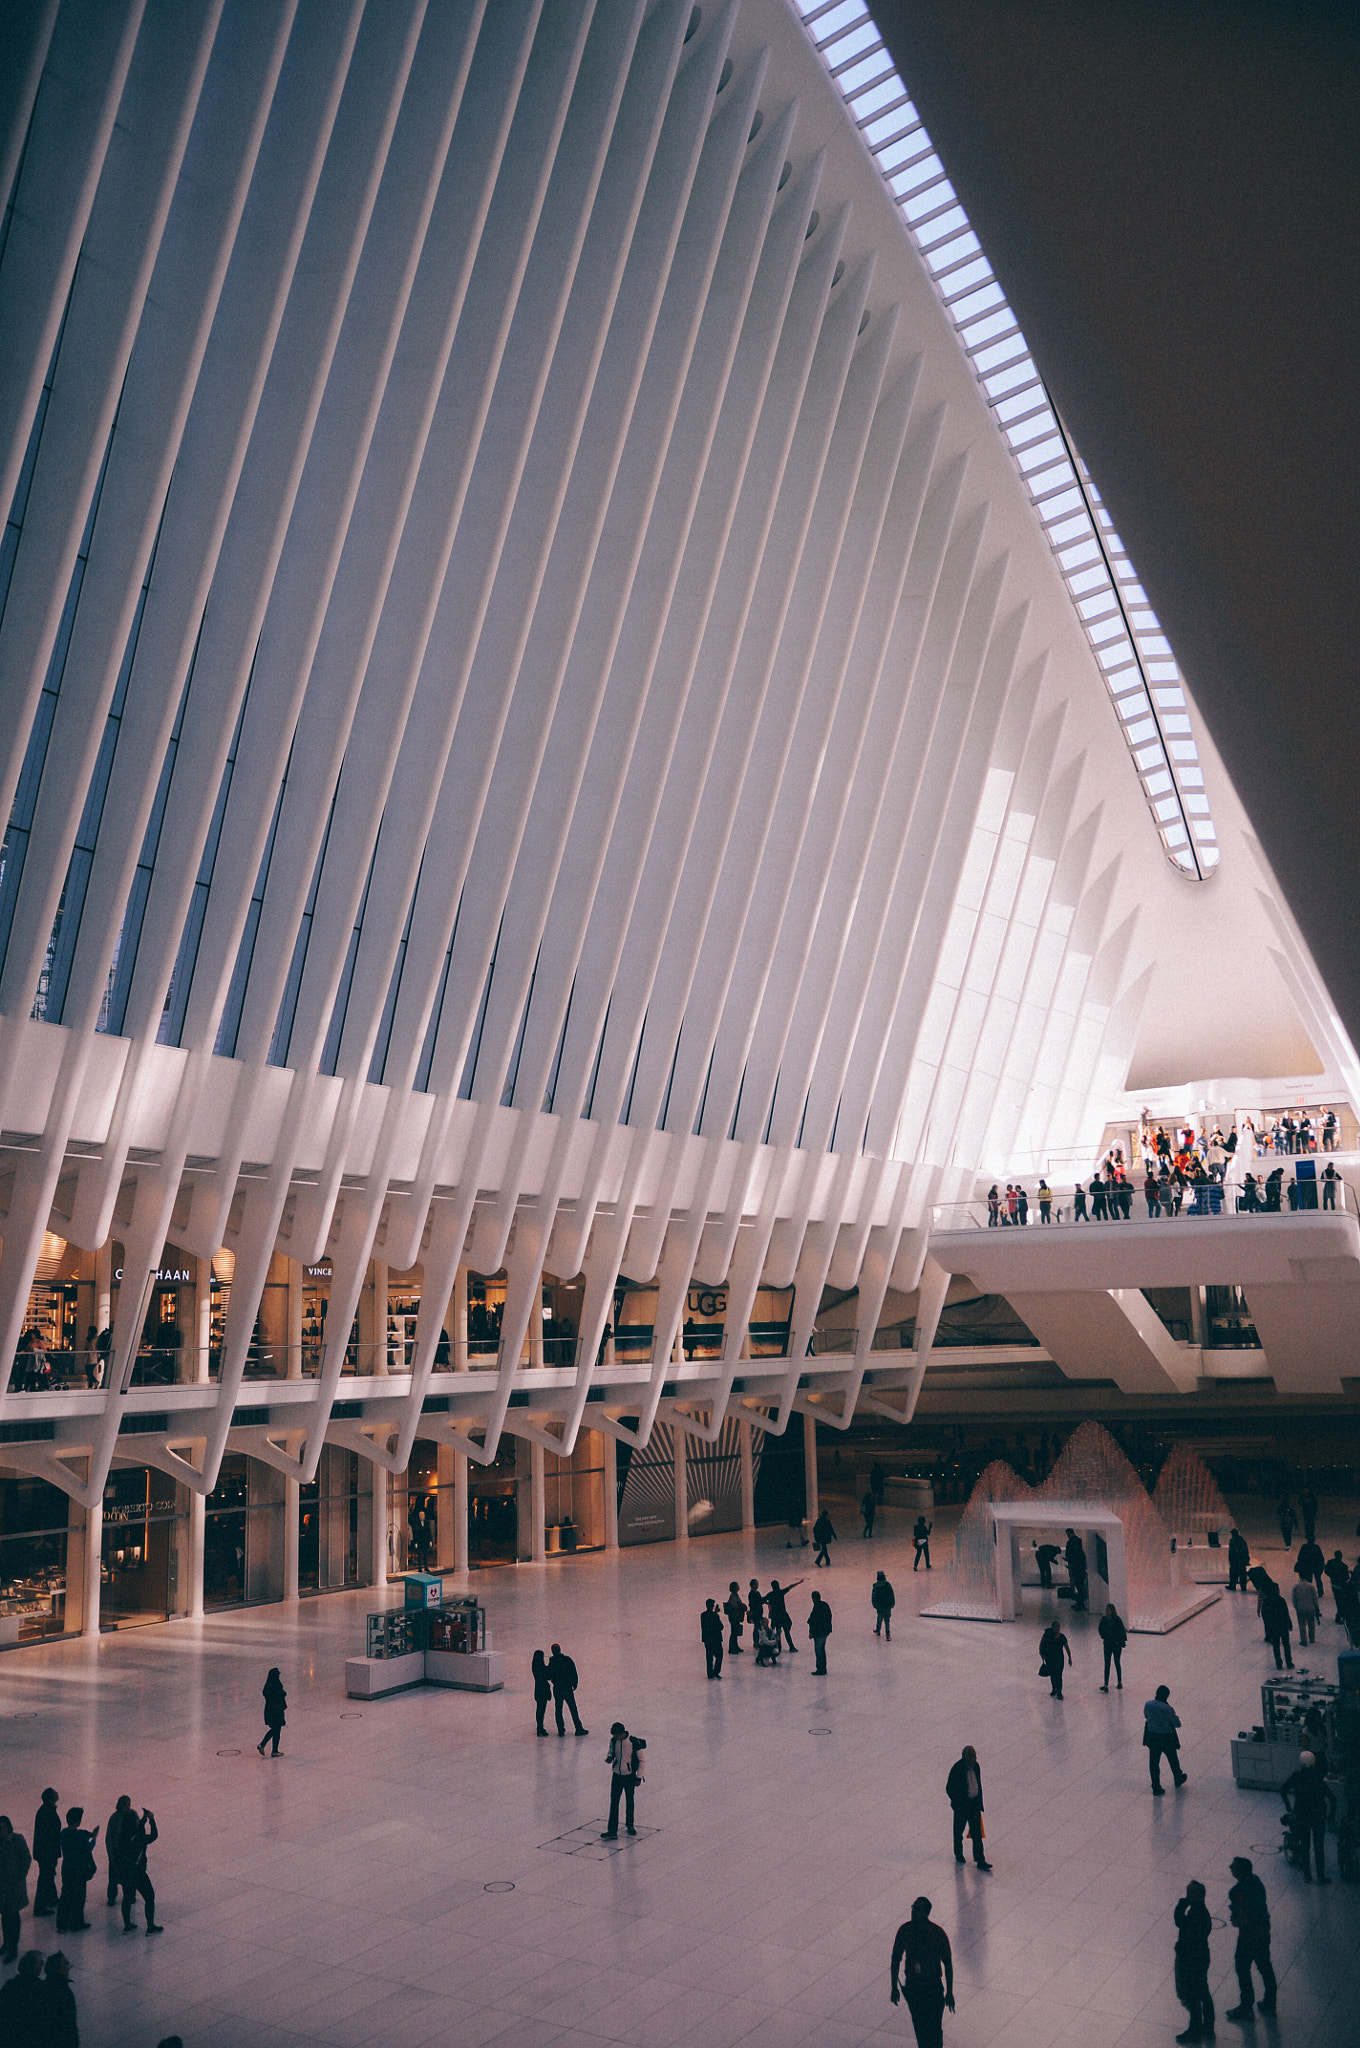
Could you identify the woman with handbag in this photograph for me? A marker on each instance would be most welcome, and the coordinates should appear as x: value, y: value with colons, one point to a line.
x: 77, y: 1868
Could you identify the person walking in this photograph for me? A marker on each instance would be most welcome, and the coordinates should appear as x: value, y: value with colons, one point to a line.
x: 1338, y: 1574
x: 1308, y: 1509
x: 563, y: 1676
x: 922, y: 1954
x: 795, y: 1528
x: 819, y: 1628
x: 542, y: 1691
x: 1308, y: 1609
x: 1074, y: 1550
x: 23, y: 2008
x: 1053, y: 1647
x: 734, y: 1607
x: 1160, y: 1722
x: 777, y: 1601
x: 136, y: 1837
x: 1289, y: 1522
x: 77, y: 1868
x: 14, y: 1867
x: 1309, y: 1804
x: 1239, y: 1557
x: 1113, y: 1636
x: 868, y: 1508
x: 1278, y: 1627
x: 920, y: 1536
x: 275, y: 1710
x: 624, y: 1758
x: 1250, y: 1915
x: 46, y: 1854
x: 1193, y: 1924
x: 822, y: 1535
x: 963, y: 1790
x: 1310, y: 1563
x: 883, y: 1600
x: 711, y: 1635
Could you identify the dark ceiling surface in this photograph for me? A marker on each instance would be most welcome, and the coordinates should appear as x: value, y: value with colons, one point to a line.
x: 1170, y: 196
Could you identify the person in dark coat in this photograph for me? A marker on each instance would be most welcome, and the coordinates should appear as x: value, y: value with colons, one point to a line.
x: 920, y: 1537
x: 1239, y: 1557
x: 1279, y: 1627
x: 819, y: 1628
x: 868, y: 1508
x: 1289, y: 1522
x: 542, y: 1690
x: 1113, y: 1636
x: 963, y: 1790
x: 136, y: 1837
x: 562, y: 1673
x: 275, y: 1709
x: 883, y: 1600
x: 734, y: 1607
x: 755, y: 1603
x: 711, y: 1635
x: 1309, y: 1803
x: 1310, y: 1563
x: 1053, y: 1649
x: 1074, y: 1550
x: 113, y: 1829
x: 1046, y: 1556
x: 1160, y: 1739
x: 77, y: 1868
x: 14, y: 1867
x: 1250, y: 1915
x: 1338, y: 1576
x: 1193, y: 1923
x: 822, y: 1534
x: 777, y: 1601
x: 59, y: 2005
x: 23, y: 2008
x: 922, y: 1953
x: 1308, y: 1508
x: 46, y: 1854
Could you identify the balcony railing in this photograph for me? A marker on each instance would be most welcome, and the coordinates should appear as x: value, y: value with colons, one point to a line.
x: 1197, y: 1200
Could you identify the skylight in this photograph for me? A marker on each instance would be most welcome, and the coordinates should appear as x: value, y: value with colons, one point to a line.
x: 1131, y: 650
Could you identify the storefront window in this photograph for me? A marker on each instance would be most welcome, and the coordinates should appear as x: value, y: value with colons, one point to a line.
x: 574, y: 1496
x: 243, y: 1535
x: 142, y: 1545
x: 334, y: 1519
x: 32, y: 1560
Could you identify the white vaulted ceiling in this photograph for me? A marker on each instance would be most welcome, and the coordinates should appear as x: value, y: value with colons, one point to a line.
x: 528, y: 671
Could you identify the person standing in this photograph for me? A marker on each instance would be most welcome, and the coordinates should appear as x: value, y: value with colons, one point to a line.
x: 734, y: 1607
x: 624, y: 1758
x: 542, y: 1690
x: 822, y: 1535
x: 819, y: 1628
x: 922, y: 1953
x: 1074, y: 1550
x: 755, y: 1603
x: 711, y: 1635
x: 58, y: 2005
x: 1046, y: 1556
x: 14, y: 1866
x: 963, y: 1790
x: 1308, y: 1508
x: 920, y: 1536
x: 1337, y: 1575
x: 1160, y: 1722
x: 777, y: 1600
x: 275, y: 1710
x: 113, y: 1829
x: 1045, y: 1201
x: 1079, y: 1204
x: 23, y: 2009
x: 1250, y: 1915
x: 1309, y: 1803
x: 77, y: 1868
x: 563, y: 1676
x: 1193, y: 1923
x: 1289, y: 1522
x: 1053, y: 1647
x: 883, y: 1600
x: 795, y: 1528
x: 868, y: 1508
x: 1113, y: 1636
x: 46, y: 1854
x: 1310, y: 1564
x: 136, y: 1838
x: 1278, y: 1627
x: 993, y: 1206
x: 1239, y: 1557
x: 1022, y: 1206
x: 1308, y: 1608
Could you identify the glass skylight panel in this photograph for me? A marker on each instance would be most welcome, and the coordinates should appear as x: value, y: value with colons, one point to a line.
x: 1123, y: 631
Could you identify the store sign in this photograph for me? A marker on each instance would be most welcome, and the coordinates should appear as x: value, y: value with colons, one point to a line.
x: 165, y: 1276
x: 708, y: 1302
x: 323, y: 1270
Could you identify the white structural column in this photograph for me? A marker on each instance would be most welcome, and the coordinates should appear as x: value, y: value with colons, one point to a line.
x: 198, y: 1517
x: 378, y: 1556
x: 538, y: 1506
x: 460, y: 1513
x: 748, y: 1478
x: 94, y: 1557
x: 611, y: 1491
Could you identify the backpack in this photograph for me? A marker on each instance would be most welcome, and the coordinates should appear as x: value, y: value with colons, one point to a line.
x: 639, y: 1744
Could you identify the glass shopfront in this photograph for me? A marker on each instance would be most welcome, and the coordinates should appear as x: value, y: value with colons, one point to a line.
x: 243, y: 1535
x: 34, y: 1522
x: 493, y: 1508
x: 145, y: 1526
x: 335, y: 1513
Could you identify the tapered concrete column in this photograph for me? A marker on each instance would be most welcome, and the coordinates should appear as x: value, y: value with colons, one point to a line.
x: 103, y: 1285
x: 198, y: 1522
x: 377, y: 1564
x: 748, y: 1476
x: 1197, y: 1315
x: 294, y: 1367
x: 461, y: 1560
x: 681, y: 1483
x: 611, y: 1491
x: 292, y: 1503
x: 380, y: 1349
x: 460, y: 1352
x: 810, y: 1466
x: 94, y: 1552
x: 538, y: 1503
x: 203, y: 1324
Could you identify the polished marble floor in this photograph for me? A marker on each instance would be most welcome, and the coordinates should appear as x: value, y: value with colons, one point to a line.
x: 424, y: 1870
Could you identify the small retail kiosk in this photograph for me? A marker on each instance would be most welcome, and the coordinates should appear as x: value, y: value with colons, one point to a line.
x: 426, y: 1642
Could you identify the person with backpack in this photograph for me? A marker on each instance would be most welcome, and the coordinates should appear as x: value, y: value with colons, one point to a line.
x: 624, y: 1758
x: 822, y: 1534
x: 819, y: 1628
x: 883, y: 1600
